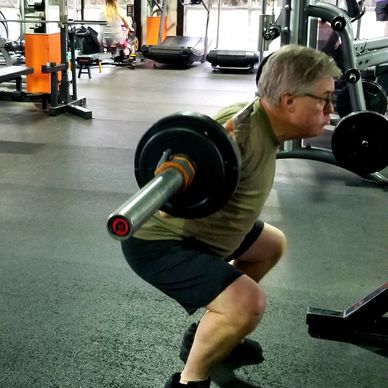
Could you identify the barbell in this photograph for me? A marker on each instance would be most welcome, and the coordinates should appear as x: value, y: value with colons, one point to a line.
x: 44, y: 21
x: 188, y: 166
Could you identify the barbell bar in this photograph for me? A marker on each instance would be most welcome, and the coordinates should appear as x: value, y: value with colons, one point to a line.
x: 127, y: 218
x: 44, y: 21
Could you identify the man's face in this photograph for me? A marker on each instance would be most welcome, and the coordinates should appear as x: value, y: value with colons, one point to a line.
x: 312, y: 110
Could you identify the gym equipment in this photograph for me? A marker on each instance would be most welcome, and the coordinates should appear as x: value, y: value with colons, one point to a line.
x: 5, y: 56
x: 56, y: 99
x: 186, y: 165
x: 179, y: 50
x: 15, y: 73
x: 3, y: 26
x: 11, y: 52
x: 176, y: 50
x: 86, y: 40
x: 301, y: 17
x: 271, y: 29
x: 363, y: 322
x: 359, y: 142
x: 120, y: 54
x: 34, y: 15
x: 374, y: 94
x: 230, y: 59
x: 84, y: 63
x: 10, y: 73
x: 63, y: 94
x: 156, y: 33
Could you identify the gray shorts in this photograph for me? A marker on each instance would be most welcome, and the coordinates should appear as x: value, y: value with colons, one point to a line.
x: 185, y: 270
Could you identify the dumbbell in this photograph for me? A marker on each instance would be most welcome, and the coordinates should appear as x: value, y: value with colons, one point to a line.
x: 186, y: 165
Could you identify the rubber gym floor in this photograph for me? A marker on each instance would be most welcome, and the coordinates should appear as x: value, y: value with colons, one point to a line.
x: 72, y: 314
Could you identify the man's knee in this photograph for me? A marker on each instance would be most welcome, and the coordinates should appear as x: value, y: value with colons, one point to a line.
x: 272, y: 243
x: 256, y: 309
x: 243, y: 304
x: 253, y: 304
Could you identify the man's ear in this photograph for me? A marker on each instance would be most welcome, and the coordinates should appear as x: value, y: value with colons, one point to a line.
x: 287, y: 101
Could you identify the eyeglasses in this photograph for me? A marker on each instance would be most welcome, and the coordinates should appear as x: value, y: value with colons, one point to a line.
x: 327, y: 101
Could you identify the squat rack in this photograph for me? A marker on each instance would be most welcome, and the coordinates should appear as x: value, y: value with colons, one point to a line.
x: 61, y: 100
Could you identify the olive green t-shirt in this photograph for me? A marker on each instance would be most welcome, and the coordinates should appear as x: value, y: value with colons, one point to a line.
x: 223, y: 231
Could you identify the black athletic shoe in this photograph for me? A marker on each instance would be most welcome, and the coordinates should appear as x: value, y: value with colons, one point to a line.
x: 248, y: 352
x: 173, y: 382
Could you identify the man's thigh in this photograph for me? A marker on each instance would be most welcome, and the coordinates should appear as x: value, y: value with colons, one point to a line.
x: 183, y: 270
x: 269, y: 243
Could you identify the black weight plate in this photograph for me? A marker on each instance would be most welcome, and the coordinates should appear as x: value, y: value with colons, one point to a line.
x: 360, y: 142
x: 374, y: 95
x: 207, y: 145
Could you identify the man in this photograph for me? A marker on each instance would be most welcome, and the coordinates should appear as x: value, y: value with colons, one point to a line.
x: 216, y: 262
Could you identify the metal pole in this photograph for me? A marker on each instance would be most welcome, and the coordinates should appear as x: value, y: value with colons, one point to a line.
x: 73, y: 63
x: 285, y: 23
x: 69, y: 22
x: 264, y: 7
x: 162, y: 17
x: 328, y: 12
x: 218, y: 21
x: 296, y: 35
x: 22, y: 16
x: 207, y: 8
x: 63, y: 17
x: 129, y: 217
x: 264, y: 21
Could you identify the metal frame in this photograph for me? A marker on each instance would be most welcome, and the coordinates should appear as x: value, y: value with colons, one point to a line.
x: 207, y: 9
x: 64, y: 101
x: 162, y: 10
x: 301, y: 19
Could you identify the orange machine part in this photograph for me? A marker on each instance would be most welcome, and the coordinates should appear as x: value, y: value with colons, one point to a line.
x: 153, y: 23
x: 41, y: 49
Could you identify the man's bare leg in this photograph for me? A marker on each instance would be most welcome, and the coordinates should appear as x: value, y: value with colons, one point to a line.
x: 263, y: 254
x: 222, y: 328
x: 230, y: 317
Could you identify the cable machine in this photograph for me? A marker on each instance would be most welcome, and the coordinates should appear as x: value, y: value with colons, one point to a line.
x: 299, y: 26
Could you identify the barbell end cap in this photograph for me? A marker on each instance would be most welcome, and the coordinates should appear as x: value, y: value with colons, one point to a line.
x: 119, y: 227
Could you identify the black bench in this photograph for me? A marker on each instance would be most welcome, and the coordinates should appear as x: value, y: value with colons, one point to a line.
x: 85, y: 61
x: 10, y: 73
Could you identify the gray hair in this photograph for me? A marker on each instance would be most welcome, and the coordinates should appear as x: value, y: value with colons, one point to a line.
x: 294, y: 69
